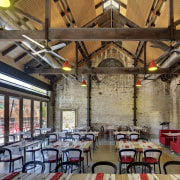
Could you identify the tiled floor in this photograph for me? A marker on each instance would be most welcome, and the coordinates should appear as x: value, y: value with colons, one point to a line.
x: 105, y: 151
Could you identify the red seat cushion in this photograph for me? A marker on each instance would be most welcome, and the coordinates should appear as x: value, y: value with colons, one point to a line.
x: 126, y: 159
x: 150, y: 160
x: 86, y: 149
x: 75, y: 159
x: 52, y: 159
x: 14, y: 157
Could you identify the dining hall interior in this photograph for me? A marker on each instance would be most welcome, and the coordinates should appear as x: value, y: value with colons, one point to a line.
x: 90, y: 89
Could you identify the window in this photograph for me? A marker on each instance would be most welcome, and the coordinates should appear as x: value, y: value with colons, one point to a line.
x: 68, y: 119
x: 27, y: 115
x: 36, y: 114
x: 1, y: 119
x: 44, y: 114
x: 111, y: 2
x: 13, y: 115
x: 12, y: 81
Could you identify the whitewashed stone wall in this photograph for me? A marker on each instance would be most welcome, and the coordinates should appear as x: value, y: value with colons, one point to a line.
x: 153, y: 104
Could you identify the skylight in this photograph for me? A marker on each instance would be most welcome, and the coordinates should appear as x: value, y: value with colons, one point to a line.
x: 17, y: 83
x: 111, y: 2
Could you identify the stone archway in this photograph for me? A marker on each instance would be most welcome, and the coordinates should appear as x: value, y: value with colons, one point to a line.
x: 110, y: 62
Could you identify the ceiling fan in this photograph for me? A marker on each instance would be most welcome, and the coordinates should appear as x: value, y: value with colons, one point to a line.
x: 46, y: 48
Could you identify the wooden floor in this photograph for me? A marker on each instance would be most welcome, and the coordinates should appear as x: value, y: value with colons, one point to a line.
x: 105, y: 151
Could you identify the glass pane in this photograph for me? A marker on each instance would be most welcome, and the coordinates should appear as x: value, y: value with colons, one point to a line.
x: 68, y: 119
x: 1, y: 119
x: 44, y: 114
x: 26, y: 115
x: 36, y: 114
x: 13, y: 115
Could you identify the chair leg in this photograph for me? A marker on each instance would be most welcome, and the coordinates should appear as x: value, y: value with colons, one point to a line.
x: 159, y: 168
x: 49, y: 167
x: 83, y: 165
x: 119, y: 167
x: 87, y: 158
x: 154, y: 169
x: 9, y: 166
x: 13, y: 166
x: 90, y: 153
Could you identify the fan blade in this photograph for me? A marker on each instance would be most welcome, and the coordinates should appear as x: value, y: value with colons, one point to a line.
x: 57, y: 55
x: 40, y: 51
x: 58, y: 46
x: 35, y: 42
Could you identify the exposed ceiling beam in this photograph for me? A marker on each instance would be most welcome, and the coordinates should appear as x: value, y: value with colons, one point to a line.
x: 9, y: 49
x: 101, y: 70
x: 93, y: 34
x: 20, y: 57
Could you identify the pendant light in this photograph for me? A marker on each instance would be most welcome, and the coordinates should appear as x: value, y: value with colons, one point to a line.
x: 66, y: 66
x: 5, y: 3
x: 152, y: 66
x: 83, y: 83
x: 138, y: 84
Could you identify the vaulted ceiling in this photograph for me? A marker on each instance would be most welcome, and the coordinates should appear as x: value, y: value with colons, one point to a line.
x: 116, y: 16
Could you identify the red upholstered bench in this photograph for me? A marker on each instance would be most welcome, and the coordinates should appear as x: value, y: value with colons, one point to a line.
x: 165, y: 140
x: 175, y: 145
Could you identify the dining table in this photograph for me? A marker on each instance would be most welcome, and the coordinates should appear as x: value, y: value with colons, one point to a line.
x: 96, y: 176
x: 172, y: 134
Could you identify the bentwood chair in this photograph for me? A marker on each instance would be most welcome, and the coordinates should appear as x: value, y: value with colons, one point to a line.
x: 76, y: 136
x: 75, y: 155
x: 139, y: 167
x: 51, y: 155
x: 8, y: 157
x: 33, y: 166
x: 126, y: 156
x: 133, y: 137
x: 171, y: 164
x: 152, y: 156
x: 104, y: 163
x: 52, y: 137
x: 93, y: 138
x: 68, y: 167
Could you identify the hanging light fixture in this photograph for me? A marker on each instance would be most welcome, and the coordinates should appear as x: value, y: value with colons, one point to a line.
x: 138, y: 84
x: 66, y: 66
x: 83, y: 83
x: 5, y: 3
x: 152, y: 66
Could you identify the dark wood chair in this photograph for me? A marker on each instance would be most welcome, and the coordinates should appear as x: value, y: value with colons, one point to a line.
x: 8, y: 157
x: 51, y: 155
x: 172, y: 164
x: 139, y: 167
x: 33, y: 165
x: 104, y: 163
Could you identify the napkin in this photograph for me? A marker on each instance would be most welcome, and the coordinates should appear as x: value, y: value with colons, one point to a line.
x: 126, y: 146
x: 144, y: 141
x: 15, y: 145
x: 124, y: 141
x: 99, y: 176
x: 149, y: 146
x: 56, y: 176
x: 10, y: 176
x: 77, y: 146
x: 56, y: 146
x: 143, y: 177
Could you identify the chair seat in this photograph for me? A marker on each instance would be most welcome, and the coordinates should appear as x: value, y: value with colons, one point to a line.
x: 150, y: 160
x: 51, y: 159
x: 86, y: 150
x: 52, y: 140
x: 14, y: 158
x: 76, y: 159
x: 126, y: 159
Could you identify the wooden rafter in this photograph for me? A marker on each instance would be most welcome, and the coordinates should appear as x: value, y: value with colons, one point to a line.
x: 101, y: 70
x: 93, y: 34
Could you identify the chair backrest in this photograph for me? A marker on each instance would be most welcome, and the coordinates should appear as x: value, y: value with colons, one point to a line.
x: 120, y: 136
x: 7, y: 152
x: 170, y: 163
x: 33, y: 166
x: 104, y: 163
x: 64, y: 167
x: 133, y: 136
x: 90, y: 136
x: 127, y: 152
x: 153, y: 153
x: 53, y: 136
x: 73, y: 153
x: 68, y: 139
x: 50, y: 152
x: 76, y: 136
x: 85, y: 139
x: 139, y: 167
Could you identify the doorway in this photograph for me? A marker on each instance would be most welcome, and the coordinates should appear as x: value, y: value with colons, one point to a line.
x: 68, y: 119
